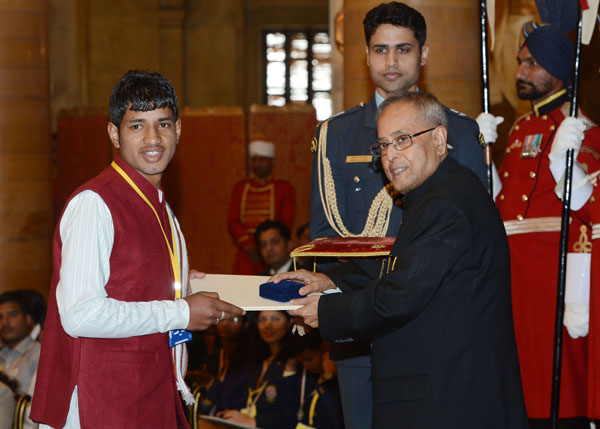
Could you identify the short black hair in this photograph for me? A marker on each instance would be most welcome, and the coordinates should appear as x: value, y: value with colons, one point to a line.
x: 301, y: 229
x: 272, y: 224
x: 20, y: 298
x: 312, y: 340
x: 398, y: 14
x: 141, y: 91
x: 37, y: 305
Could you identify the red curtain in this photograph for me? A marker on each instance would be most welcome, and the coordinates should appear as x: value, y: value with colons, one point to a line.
x: 82, y: 151
x: 210, y: 159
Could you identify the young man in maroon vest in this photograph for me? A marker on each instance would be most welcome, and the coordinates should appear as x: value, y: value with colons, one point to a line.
x: 112, y: 354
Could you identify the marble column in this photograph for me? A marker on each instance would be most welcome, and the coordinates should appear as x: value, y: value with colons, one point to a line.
x: 26, y: 213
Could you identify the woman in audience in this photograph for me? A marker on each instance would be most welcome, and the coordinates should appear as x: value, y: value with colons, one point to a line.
x: 272, y: 397
x: 228, y: 367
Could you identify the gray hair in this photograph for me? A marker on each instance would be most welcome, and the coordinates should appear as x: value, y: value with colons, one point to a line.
x: 428, y: 106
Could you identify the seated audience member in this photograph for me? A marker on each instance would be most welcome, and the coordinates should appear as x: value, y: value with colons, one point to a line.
x: 272, y: 398
x: 20, y: 355
x: 321, y: 408
x: 197, y: 353
x: 21, y: 311
x: 273, y: 240
x: 37, y: 309
x: 228, y: 367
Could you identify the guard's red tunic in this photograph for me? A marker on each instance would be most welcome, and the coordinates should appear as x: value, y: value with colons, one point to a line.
x: 594, y: 334
x: 528, y: 193
x: 125, y: 382
x: 253, y: 202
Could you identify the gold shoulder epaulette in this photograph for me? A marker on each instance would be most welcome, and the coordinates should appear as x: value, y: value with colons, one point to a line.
x: 481, y: 140
x: 456, y: 111
x: 314, y: 145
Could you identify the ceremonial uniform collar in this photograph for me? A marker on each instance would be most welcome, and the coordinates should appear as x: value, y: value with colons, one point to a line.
x: 550, y: 103
x: 370, y: 111
x: 261, y: 182
x: 283, y: 269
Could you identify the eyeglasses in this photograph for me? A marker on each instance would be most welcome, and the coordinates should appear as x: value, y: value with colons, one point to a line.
x: 401, y: 142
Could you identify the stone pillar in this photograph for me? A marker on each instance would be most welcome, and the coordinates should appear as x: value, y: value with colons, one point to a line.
x: 336, y: 16
x: 171, y: 16
x: 453, y: 71
x: 26, y: 216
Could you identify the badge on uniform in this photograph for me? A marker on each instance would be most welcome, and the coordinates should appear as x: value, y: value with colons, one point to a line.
x: 271, y: 393
x: 531, y: 145
x: 352, y: 159
x: 179, y: 336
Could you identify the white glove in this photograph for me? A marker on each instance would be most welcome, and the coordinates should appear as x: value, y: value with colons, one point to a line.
x: 488, y: 125
x: 577, y: 294
x: 568, y: 136
x: 496, y: 181
x: 576, y: 320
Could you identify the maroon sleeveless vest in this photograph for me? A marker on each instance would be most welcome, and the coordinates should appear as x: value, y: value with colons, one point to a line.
x: 128, y: 382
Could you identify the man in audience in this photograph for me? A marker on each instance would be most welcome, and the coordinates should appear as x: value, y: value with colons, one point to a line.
x: 274, y: 243
x: 255, y: 200
x: 20, y: 355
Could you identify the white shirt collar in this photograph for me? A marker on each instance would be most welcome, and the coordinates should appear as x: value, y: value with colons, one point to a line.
x: 283, y: 269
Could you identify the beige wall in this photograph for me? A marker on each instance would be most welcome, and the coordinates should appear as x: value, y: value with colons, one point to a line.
x: 25, y: 151
x: 210, y: 50
x: 214, y: 53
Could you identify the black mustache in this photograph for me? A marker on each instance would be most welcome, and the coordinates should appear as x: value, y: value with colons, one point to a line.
x: 521, y: 81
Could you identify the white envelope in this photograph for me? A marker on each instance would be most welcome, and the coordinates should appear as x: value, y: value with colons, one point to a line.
x: 239, y: 290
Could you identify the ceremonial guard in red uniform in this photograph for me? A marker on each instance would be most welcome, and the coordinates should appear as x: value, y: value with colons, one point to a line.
x: 529, y: 201
x: 255, y: 200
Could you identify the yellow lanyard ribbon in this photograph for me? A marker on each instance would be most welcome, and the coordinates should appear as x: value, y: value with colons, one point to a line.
x: 174, y: 255
x: 313, y: 406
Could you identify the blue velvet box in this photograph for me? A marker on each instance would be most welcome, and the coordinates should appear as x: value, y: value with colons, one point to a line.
x: 283, y: 291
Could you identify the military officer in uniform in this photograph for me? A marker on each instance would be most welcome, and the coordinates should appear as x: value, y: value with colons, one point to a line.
x: 529, y: 201
x: 348, y: 189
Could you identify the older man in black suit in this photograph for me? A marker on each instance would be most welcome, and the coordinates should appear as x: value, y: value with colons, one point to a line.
x: 439, y: 317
